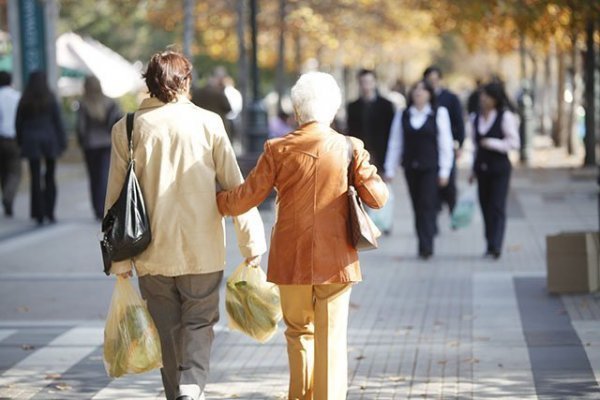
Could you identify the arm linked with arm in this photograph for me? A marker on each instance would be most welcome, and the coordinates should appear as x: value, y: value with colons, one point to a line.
x: 247, y: 222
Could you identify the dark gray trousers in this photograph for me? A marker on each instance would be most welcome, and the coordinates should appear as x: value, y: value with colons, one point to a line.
x: 185, y: 309
x: 10, y: 171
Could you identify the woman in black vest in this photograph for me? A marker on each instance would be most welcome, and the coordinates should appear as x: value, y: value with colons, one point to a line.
x: 421, y: 140
x: 495, y: 133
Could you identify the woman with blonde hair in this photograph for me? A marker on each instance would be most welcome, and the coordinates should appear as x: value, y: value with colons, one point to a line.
x: 311, y: 257
x: 181, y: 152
x: 96, y: 116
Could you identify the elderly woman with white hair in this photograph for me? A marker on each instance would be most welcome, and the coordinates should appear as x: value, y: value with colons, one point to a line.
x: 311, y: 257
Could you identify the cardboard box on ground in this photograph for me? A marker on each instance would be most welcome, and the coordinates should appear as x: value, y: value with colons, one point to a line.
x: 573, y: 262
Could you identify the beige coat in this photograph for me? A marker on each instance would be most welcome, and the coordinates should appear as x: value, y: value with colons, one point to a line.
x: 310, y: 242
x: 181, y: 153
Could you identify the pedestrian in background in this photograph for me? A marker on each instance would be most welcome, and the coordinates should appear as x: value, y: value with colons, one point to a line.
x: 41, y: 136
x: 421, y: 141
x: 10, y: 157
x: 370, y: 117
x: 96, y: 116
x: 311, y: 258
x: 445, y: 98
x: 212, y: 96
x: 495, y: 133
x: 180, y: 152
x: 280, y: 124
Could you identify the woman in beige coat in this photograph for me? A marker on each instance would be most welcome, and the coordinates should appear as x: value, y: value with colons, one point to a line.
x: 311, y: 258
x: 181, y: 153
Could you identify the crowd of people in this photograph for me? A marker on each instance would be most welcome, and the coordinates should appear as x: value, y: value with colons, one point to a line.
x: 426, y: 138
x: 311, y: 258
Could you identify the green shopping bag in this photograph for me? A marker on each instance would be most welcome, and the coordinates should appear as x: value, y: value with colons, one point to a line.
x: 131, y: 342
x: 463, y: 212
x: 252, y: 303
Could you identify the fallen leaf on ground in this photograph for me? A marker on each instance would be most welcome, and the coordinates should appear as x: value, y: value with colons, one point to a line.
x: 23, y: 309
x: 53, y: 376
x: 62, y: 386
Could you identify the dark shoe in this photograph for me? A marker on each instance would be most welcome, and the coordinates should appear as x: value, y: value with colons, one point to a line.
x: 185, y: 397
x: 494, y: 254
x: 425, y: 255
x: 8, y: 210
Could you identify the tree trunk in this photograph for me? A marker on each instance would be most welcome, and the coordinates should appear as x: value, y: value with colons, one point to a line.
x: 570, y: 131
x: 590, y: 97
x: 242, y: 78
x: 544, y: 99
x: 188, y: 27
x: 557, y: 129
x: 298, y: 52
x: 522, y: 57
x: 280, y: 81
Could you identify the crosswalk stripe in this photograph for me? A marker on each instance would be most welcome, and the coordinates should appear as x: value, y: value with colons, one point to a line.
x: 30, y: 375
x: 4, y: 333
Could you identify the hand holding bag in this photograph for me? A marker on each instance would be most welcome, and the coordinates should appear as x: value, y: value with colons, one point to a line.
x: 126, y: 226
x: 363, y: 232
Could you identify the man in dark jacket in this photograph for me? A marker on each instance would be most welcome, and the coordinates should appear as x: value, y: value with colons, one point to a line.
x: 370, y: 118
x: 450, y: 101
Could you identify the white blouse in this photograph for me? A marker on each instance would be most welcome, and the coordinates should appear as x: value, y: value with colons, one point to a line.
x: 417, y: 120
x: 509, y: 126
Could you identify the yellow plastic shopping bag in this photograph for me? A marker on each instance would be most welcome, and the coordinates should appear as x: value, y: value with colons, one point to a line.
x: 131, y: 342
x: 252, y: 303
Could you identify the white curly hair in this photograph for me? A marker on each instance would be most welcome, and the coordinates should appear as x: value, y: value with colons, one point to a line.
x: 316, y: 96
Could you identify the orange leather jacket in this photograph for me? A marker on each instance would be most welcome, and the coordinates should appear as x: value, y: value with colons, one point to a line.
x: 310, y: 241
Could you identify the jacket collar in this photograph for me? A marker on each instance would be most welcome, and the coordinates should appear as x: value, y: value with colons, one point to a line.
x: 312, y: 127
x: 153, y: 102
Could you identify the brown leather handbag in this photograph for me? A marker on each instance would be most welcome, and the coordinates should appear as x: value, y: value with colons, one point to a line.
x: 363, y: 232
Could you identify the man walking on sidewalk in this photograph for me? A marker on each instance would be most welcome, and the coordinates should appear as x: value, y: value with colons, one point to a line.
x: 10, y: 158
x: 370, y: 118
x: 445, y: 98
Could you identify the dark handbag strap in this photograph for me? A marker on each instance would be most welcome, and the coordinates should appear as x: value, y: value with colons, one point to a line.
x: 350, y: 161
x: 129, y: 126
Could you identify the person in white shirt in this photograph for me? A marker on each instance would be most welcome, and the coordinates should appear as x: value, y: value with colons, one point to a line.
x: 421, y: 141
x: 495, y: 132
x: 10, y: 155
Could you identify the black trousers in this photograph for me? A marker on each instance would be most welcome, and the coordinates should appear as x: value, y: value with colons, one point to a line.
x: 423, y: 189
x: 493, y: 191
x: 97, y: 162
x: 10, y: 172
x: 43, y: 193
x: 449, y: 193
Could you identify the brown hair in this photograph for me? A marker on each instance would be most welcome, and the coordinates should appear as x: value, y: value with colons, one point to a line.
x: 167, y: 75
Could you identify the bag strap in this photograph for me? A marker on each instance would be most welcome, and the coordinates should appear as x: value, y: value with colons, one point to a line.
x: 350, y: 161
x: 129, y: 125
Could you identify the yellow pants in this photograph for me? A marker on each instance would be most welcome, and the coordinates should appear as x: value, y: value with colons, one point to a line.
x: 317, y: 320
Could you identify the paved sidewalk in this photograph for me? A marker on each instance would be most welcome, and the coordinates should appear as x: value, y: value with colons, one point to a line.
x: 454, y: 327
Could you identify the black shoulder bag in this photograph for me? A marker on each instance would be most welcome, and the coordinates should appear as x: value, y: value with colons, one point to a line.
x: 126, y: 226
